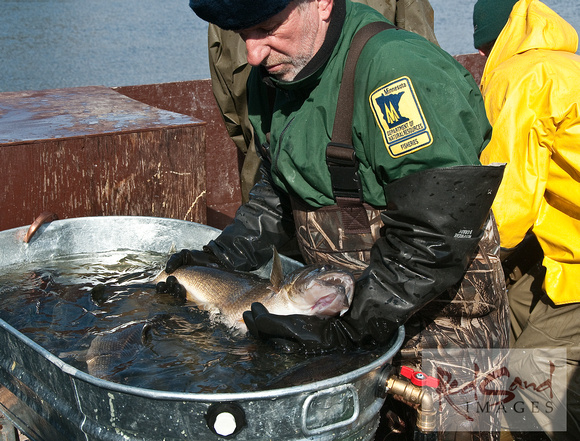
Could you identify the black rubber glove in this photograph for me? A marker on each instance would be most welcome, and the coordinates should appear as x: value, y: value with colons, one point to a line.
x: 433, y: 224
x: 293, y: 333
x: 171, y: 286
x: 192, y: 257
x: 312, y: 334
x: 184, y: 257
x: 265, y: 221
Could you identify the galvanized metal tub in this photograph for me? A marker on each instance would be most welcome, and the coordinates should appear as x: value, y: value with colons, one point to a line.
x: 48, y: 399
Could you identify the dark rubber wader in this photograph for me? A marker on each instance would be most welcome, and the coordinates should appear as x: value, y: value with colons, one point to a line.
x: 472, y: 314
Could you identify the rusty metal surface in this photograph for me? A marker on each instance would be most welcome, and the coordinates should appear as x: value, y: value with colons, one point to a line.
x: 76, y: 112
x: 474, y: 63
x: 93, y: 151
x: 195, y: 98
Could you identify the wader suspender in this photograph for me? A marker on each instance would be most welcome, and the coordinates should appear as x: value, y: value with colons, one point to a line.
x: 340, y: 156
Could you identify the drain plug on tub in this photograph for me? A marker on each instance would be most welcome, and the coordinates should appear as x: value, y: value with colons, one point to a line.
x: 225, y: 419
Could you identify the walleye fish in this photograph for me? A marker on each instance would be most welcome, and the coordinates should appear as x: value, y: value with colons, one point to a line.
x: 117, y: 346
x: 310, y: 290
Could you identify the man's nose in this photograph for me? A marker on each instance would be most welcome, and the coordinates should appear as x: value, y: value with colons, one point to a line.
x: 257, y: 50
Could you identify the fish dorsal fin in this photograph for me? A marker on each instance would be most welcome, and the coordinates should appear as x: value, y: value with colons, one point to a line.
x: 277, y: 273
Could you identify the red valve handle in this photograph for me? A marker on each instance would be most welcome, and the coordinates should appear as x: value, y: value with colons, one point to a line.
x: 418, y: 378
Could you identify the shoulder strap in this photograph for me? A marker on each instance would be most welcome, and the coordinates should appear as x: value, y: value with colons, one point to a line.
x: 340, y: 155
x: 342, y: 129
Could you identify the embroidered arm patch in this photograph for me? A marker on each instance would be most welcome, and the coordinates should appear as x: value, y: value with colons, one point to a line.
x: 400, y: 117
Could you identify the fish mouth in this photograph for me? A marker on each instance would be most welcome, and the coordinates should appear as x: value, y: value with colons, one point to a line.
x: 331, y: 305
x: 325, y: 291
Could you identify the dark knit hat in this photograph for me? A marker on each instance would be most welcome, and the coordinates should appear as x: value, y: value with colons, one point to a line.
x: 237, y: 14
x: 489, y: 18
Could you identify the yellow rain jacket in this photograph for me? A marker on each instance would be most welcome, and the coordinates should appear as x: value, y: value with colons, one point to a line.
x: 531, y: 88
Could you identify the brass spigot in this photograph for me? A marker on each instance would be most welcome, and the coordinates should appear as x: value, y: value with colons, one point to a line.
x: 415, y: 395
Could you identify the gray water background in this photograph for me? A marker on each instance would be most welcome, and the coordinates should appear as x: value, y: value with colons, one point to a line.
x: 46, y: 44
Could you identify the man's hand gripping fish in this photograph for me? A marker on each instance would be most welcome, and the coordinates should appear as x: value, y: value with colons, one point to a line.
x: 312, y: 290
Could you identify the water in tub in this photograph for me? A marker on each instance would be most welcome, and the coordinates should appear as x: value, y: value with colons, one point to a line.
x: 100, y: 314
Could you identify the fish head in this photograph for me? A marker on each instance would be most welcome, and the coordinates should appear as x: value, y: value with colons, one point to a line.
x: 319, y: 290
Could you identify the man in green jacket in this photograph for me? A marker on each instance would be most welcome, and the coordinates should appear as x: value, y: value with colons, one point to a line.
x: 229, y: 69
x: 409, y: 214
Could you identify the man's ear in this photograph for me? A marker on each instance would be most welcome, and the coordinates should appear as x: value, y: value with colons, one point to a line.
x: 325, y: 8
